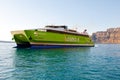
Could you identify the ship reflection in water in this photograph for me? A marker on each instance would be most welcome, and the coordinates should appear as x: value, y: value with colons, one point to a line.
x: 81, y: 63
x: 62, y: 63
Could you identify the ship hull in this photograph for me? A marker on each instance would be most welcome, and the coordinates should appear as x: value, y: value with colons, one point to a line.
x: 26, y: 45
x: 44, y: 39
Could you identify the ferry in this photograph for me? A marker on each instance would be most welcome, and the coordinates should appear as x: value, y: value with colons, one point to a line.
x: 51, y: 36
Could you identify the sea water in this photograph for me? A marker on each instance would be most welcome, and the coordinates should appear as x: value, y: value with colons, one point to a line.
x: 101, y: 62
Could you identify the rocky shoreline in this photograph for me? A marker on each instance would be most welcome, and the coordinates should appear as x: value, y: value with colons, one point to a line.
x: 7, y: 41
x: 111, y: 35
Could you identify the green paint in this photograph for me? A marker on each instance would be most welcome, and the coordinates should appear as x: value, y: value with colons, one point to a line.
x: 20, y: 38
x: 51, y: 37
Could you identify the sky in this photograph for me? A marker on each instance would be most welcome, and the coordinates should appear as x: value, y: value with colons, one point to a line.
x: 93, y: 15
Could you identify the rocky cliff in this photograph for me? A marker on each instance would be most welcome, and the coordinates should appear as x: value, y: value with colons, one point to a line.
x: 112, y: 35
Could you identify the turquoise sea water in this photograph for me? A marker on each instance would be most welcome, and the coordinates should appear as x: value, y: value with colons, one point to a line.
x: 101, y: 62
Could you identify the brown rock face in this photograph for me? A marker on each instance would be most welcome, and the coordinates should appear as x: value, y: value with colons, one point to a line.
x: 112, y: 35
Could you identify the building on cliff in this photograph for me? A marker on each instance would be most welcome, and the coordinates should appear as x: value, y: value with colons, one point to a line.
x: 111, y: 35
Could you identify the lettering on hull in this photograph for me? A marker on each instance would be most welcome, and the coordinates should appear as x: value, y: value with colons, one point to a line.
x: 71, y: 39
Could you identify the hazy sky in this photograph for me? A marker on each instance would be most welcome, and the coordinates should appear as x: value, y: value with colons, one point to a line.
x: 93, y: 15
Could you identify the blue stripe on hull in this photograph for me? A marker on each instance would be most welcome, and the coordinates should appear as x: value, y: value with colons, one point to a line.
x: 49, y: 46
x: 55, y: 46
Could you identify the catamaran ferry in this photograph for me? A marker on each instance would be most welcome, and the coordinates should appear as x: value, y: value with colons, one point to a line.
x: 51, y: 37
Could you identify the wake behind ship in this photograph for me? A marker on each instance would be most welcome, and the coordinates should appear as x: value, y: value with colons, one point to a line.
x: 51, y: 36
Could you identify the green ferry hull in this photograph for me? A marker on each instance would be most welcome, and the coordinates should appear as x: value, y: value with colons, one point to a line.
x: 44, y: 39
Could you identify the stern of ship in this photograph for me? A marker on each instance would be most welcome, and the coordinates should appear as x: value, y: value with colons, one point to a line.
x: 21, y: 39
